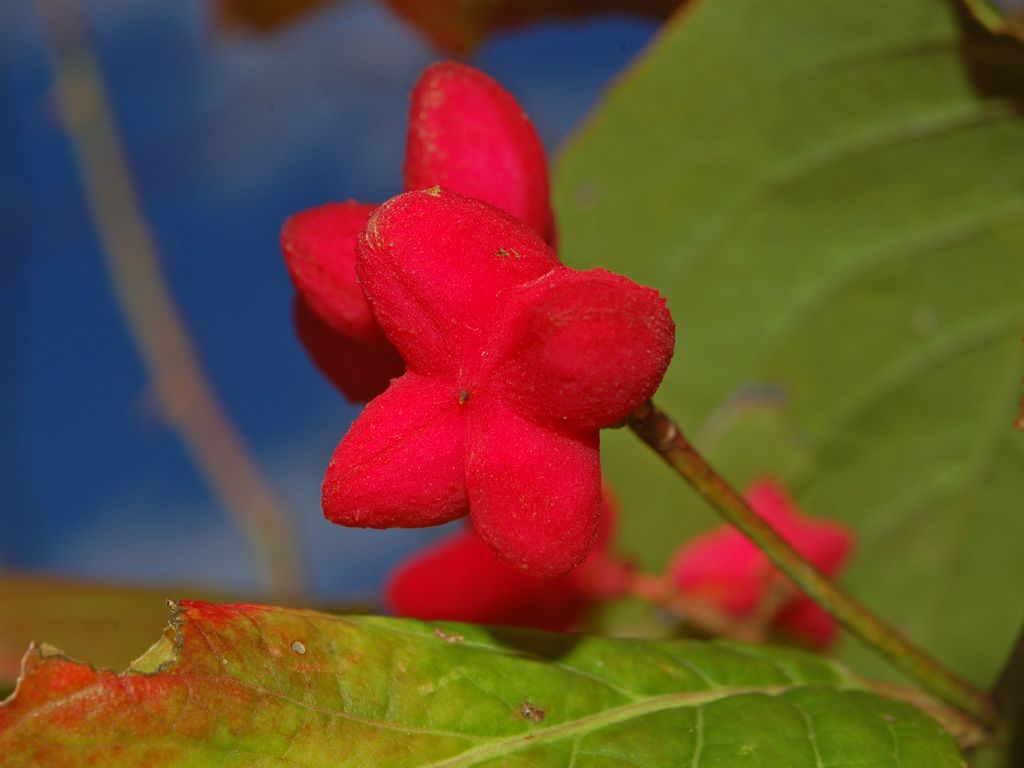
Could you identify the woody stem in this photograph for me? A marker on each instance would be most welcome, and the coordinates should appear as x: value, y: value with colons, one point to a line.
x: 662, y: 435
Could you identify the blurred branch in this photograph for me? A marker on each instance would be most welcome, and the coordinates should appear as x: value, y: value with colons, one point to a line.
x: 1009, y: 695
x: 661, y: 433
x: 145, y: 302
x: 998, y: 17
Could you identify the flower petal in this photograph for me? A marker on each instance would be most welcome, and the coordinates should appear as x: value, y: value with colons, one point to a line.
x: 583, y: 349
x: 805, y: 620
x: 723, y: 568
x: 361, y: 370
x: 469, y: 135
x: 533, y: 492
x: 401, y: 462
x: 433, y: 264
x: 461, y: 579
x: 825, y: 543
x: 319, y: 247
x: 603, y: 575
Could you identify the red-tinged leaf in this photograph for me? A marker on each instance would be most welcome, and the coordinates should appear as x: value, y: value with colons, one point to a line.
x: 243, y: 685
x: 456, y: 26
x: 105, y: 623
x: 263, y: 15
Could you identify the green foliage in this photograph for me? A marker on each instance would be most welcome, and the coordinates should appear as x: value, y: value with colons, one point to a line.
x: 831, y: 196
x: 251, y: 685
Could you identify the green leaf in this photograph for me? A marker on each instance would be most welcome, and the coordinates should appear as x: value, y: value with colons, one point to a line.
x: 253, y: 685
x: 831, y: 196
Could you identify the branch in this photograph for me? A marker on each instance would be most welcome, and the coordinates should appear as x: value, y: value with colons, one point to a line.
x: 661, y: 434
x: 146, y: 304
x: 1009, y: 694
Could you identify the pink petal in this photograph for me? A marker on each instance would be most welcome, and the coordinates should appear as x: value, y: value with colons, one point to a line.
x: 825, y: 543
x: 805, y: 620
x: 533, y: 492
x: 583, y: 349
x: 460, y: 579
x: 603, y: 575
x: 723, y: 568
x: 469, y: 135
x: 401, y: 462
x: 433, y: 265
x: 319, y: 247
x: 361, y: 370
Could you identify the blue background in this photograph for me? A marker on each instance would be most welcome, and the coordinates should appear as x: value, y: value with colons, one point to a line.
x: 226, y: 135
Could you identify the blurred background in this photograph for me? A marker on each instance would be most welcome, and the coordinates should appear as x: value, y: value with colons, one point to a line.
x: 840, y: 249
x: 200, y: 127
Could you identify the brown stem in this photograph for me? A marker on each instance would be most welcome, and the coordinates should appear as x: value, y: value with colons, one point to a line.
x: 1009, y: 694
x: 661, y: 434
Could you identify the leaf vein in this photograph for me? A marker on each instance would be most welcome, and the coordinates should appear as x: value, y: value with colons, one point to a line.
x: 598, y: 720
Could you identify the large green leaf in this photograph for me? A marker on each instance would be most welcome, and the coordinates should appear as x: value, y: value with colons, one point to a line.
x: 252, y: 685
x: 831, y: 195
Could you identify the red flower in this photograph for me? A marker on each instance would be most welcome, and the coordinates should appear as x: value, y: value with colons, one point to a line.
x: 361, y: 371
x: 514, y: 364
x: 460, y: 579
x: 467, y: 134
x: 726, y: 569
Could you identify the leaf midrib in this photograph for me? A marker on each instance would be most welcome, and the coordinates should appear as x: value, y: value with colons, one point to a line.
x: 589, y: 723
